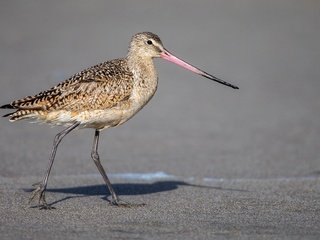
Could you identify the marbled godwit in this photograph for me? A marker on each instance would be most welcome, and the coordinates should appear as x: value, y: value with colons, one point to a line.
x: 105, y: 95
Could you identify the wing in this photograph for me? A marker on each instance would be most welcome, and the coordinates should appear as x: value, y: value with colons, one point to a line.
x: 99, y: 87
x: 108, y: 86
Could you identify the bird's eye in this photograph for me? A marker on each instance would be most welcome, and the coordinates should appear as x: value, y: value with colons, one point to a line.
x: 149, y: 42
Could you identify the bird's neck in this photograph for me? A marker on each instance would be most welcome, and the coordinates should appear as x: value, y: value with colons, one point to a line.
x: 145, y: 79
x: 143, y: 69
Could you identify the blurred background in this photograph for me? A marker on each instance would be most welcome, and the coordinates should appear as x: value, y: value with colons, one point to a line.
x: 268, y: 128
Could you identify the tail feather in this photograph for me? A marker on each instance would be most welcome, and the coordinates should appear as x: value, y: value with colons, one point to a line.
x: 7, y: 106
x: 27, y: 107
x: 8, y: 114
x: 19, y: 114
x: 21, y: 111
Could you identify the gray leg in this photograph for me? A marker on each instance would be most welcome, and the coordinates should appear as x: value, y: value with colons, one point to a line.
x: 41, y: 187
x: 95, y: 156
x: 96, y: 159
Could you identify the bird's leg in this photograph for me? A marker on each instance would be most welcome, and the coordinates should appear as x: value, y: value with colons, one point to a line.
x: 96, y: 159
x: 40, y: 187
x: 116, y: 201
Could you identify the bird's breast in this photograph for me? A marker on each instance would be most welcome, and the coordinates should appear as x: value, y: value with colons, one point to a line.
x: 100, y: 119
x: 142, y: 92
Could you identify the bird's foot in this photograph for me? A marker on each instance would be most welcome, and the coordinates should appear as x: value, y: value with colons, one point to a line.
x: 120, y: 203
x: 39, y: 192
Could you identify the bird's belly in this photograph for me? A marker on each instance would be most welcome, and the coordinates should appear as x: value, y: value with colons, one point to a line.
x: 98, y: 119
x: 101, y: 119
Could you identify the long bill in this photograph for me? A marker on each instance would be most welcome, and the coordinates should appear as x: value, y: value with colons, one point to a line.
x: 171, y: 58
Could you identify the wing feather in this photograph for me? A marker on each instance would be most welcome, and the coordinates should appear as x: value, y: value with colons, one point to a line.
x: 99, y: 87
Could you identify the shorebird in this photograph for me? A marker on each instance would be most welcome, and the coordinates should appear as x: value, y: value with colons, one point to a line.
x: 103, y: 96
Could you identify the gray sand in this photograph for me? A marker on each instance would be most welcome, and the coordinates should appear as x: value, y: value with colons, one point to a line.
x: 244, y: 163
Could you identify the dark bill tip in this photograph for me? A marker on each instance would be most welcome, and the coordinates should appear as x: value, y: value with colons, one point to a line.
x: 207, y: 75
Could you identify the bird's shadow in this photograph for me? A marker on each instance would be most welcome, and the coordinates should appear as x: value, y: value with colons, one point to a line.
x: 126, y: 189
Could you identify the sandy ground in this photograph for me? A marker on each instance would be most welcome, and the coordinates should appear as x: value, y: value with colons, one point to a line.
x: 236, y: 163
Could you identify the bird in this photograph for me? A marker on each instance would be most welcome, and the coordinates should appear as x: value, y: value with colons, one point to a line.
x: 100, y: 97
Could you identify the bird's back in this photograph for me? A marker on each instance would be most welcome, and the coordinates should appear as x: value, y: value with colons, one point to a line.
x: 96, y: 88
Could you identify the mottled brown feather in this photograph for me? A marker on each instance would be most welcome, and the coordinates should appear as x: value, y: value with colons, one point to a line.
x: 99, y: 87
x: 102, y: 96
